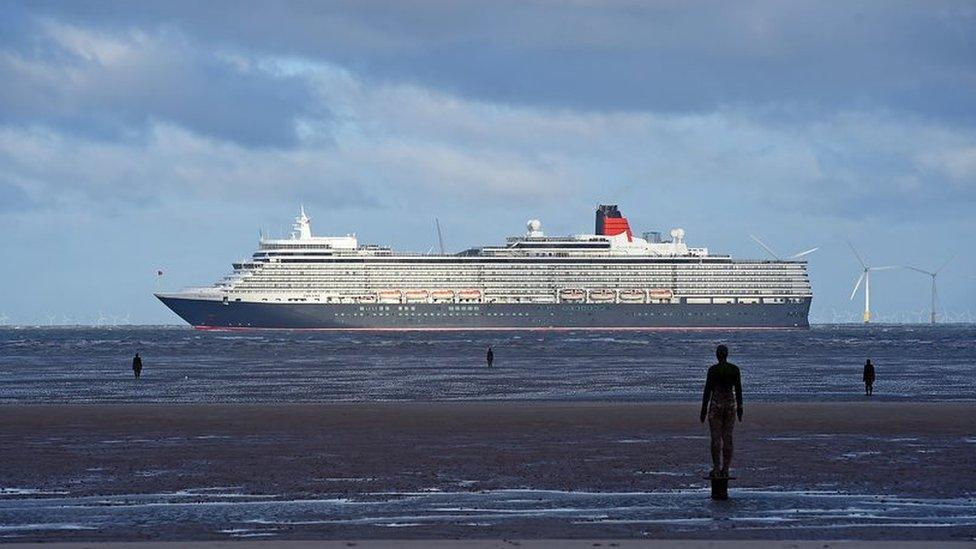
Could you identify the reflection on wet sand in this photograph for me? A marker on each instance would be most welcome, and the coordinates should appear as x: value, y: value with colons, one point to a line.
x: 501, y: 470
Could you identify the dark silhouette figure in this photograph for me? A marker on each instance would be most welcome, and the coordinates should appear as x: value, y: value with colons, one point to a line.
x: 489, y: 357
x: 868, y: 377
x: 137, y: 365
x: 721, y: 403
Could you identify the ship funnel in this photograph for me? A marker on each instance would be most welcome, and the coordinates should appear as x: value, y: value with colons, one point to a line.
x: 609, y: 222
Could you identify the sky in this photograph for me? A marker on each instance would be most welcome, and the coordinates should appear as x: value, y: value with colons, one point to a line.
x: 137, y: 136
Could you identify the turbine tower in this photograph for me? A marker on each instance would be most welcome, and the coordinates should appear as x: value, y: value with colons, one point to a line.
x: 935, y: 291
x: 866, y: 278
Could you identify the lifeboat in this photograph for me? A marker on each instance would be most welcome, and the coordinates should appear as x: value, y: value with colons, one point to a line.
x: 661, y: 293
x: 572, y: 294
x: 469, y: 295
x: 632, y: 296
x: 368, y: 298
x: 414, y: 296
x: 602, y: 296
x: 389, y: 296
x: 440, y: 296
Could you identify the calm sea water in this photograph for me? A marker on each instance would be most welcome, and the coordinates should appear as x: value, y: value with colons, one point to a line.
x: 183, y: 365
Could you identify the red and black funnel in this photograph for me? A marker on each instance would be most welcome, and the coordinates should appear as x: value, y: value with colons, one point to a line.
x: 609, y: 222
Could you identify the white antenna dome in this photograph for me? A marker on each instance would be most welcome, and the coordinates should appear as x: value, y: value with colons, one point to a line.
x: 534, y: 227
x: 677, y: 235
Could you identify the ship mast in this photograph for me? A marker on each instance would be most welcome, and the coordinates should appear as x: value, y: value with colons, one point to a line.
x: 302, y: 226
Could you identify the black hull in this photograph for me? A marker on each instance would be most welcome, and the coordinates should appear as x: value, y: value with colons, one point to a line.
x: 210, y: 314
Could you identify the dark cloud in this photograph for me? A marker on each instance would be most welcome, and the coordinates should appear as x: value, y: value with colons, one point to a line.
x: 114, y: 85
x: 800, y: 57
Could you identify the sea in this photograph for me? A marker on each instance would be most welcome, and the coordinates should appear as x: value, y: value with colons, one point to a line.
x: 181, y: 365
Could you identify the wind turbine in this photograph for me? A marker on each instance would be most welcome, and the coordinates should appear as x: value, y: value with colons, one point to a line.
x: 935, y: 292
x: 866, y: 278
x: 777, y: 257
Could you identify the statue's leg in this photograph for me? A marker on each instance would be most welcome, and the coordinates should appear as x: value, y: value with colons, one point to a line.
x: 729, y: 423
x: 715, y: 430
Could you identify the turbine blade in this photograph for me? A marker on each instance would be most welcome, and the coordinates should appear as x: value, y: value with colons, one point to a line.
x: 856, y: 286
x: 916, y: 269
x: 939, y: 270
x: 801, y: 254
x: 857, y: 255
x: 765, y: 247
x: 885, y: 268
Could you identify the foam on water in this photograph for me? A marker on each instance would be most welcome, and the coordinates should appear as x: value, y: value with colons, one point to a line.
x: 674, y: 510
x: 28, y: 492
x: 44, y: 526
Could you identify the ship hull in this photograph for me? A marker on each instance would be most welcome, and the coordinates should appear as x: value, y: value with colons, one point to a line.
x: 213, y: 314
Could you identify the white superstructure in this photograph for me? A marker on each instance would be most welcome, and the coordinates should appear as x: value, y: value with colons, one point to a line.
x: 534, y: 268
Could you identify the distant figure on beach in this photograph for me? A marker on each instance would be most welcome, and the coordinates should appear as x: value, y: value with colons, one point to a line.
x: 721, y: 403
x: 489, y: 357
x: 137, y: 365
x: 868, y: 377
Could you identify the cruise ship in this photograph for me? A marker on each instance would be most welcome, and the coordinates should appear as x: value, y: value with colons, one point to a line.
x: 611, y: 279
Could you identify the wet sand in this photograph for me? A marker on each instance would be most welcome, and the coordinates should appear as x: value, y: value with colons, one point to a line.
x: 544, y: 470
x: 507, y: 544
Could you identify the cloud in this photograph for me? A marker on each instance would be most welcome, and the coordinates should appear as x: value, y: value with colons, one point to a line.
x: 170, y: 167
x: 116, y: 85
x: 401, y: 144
x: 167, y: 106
x: 956, y: 164
x: 795, y: 59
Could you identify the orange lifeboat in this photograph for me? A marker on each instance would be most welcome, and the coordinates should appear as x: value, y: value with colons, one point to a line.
x: 632, y: 296
x: 469, y: 295
x: 439, y: 296
x: 602, y: 295
x: 661, y: 293
x: 414, y: 296
x: 572, y: 294
x: 389, y: 296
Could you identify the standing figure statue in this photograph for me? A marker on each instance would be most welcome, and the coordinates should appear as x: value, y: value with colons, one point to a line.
x: 868, y: 378
x: 489, y: 357
x: 722, y: 403
x: 137, y: 365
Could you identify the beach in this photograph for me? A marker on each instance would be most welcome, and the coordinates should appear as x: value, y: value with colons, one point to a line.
x: 489, y: 470
x: 505, y: 544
